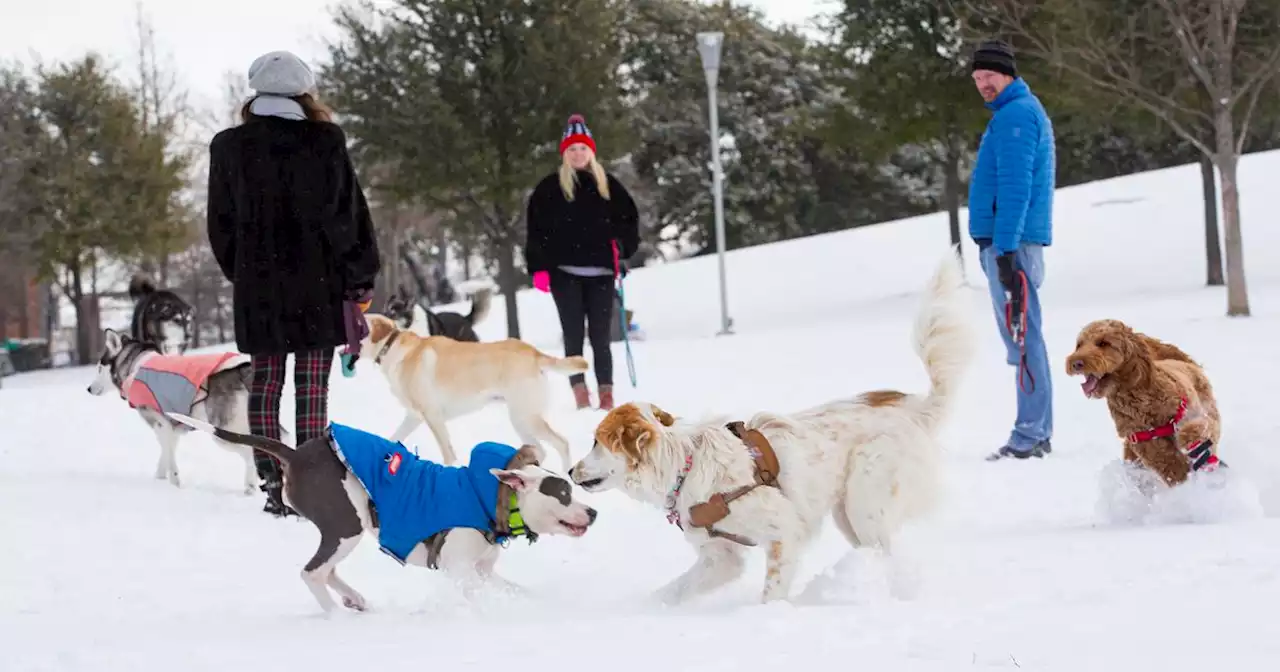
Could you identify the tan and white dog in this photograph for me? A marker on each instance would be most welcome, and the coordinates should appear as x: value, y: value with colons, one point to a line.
x: 437, y: 379
x: 870, y: 461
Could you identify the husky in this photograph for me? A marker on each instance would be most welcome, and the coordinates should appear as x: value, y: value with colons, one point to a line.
x: 213, y: 388
x: 456, y: 519
x: 409, y: 314
x: 159, y: 316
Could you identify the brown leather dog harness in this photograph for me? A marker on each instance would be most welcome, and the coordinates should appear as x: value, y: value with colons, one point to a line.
x: 716, y: 509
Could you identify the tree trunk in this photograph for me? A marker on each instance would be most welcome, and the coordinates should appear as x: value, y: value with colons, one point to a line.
x: 24, y: 317
x: 506, y: 250
x: 163, y: 268
x: 197, y: 303
x: 442, y: 251
x: 82, y: 333
x: 76, y: 294
x: 415, y: 270
x: 1227, y: 161
x: 221, y: 312
x: 951, y: 194
x: 1212, y: 247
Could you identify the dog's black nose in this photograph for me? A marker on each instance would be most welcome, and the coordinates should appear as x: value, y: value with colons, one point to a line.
x: 591, y: 515
x: 1077, y: 365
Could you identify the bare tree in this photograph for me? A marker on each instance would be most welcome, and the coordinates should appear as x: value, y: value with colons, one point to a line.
x: 1193, y: 64
x: 197, y: 275
x: 163, y: 110
x: 235, y: 88
x: 1214, y: 276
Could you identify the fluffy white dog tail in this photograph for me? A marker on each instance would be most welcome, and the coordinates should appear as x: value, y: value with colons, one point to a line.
x: 943, y: 336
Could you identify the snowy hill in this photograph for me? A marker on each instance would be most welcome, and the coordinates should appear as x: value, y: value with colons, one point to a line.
x: 108, y: 569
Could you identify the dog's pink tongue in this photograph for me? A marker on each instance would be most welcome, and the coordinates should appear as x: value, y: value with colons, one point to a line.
x: 1090, y: 385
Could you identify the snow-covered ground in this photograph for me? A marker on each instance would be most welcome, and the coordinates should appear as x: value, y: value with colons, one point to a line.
x: 108, y: 569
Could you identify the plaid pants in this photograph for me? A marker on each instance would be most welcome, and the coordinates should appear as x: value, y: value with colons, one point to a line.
x: 311, y: 392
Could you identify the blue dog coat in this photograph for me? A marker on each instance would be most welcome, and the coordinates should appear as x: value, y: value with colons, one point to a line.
x: 416, y: 498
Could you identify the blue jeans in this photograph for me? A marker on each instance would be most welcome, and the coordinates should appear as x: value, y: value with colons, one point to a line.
x: 1035, y: 404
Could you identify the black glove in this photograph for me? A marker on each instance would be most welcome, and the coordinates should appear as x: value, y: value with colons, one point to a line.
x: 1007, y: 267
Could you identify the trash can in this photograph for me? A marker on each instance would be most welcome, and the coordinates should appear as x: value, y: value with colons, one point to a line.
x: 6, y: 365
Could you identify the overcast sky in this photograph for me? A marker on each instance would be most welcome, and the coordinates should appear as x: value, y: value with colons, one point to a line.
x: 206, y: 39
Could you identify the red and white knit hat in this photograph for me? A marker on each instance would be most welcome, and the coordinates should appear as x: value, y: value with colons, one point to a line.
x: 576, y: 131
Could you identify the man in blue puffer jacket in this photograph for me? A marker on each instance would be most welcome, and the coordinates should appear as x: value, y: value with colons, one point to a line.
x: 1011, y: 221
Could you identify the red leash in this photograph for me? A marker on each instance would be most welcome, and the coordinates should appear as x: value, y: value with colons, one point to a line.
x: 1015, y: 321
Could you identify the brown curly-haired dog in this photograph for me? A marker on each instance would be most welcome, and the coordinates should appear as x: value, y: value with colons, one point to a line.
x: 1160, y: 399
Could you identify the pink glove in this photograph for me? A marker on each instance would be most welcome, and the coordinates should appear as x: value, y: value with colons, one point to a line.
x: 542, y: 281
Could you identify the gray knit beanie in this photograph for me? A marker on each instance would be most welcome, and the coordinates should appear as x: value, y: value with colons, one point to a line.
x: 281, y: 73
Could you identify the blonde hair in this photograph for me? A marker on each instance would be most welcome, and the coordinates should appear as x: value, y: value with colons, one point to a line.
x: 569, y: 177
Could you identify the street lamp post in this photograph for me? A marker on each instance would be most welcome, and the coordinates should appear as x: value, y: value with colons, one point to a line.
x: 709, y: 49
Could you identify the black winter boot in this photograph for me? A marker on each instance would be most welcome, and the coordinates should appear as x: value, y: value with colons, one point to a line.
x: 1040, y: 449
x: 275, y: 500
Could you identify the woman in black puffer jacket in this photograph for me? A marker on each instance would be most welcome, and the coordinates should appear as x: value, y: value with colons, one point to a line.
x: 290, y: 227
x: 581, y: 224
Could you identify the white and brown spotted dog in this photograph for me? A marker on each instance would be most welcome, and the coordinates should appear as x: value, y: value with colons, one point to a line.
x: 869, y: 461
x: 348, y: 482
x: 437, y: 379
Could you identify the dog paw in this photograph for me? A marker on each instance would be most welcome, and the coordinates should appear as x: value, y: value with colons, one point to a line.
x: 355, y: 603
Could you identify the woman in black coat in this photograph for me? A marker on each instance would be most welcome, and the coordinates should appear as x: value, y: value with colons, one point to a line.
x: 581, y: 223
x: 290, y: 227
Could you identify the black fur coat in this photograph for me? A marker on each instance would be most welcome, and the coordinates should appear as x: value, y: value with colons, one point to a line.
x: 290, y: 227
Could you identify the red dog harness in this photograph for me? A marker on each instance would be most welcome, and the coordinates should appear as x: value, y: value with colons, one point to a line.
x: 1197, y: 453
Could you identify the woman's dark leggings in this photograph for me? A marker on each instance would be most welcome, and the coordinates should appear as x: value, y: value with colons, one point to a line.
x: 580, y: 298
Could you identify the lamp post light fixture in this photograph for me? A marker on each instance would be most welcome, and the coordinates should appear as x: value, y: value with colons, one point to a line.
x: 709, y: 49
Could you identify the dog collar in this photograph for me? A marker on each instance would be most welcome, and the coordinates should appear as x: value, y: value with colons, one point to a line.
x: 673, y: 514
x: 386, y: 346
x: 515, y: 521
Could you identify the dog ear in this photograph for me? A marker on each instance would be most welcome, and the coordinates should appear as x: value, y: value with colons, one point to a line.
x: 379, y: 327
x: 1127, y: 341
x: 113, y: 340
x: 664, y: 417
x: 434, y: 324
x: 512, y: 478
x: 528, y: 453
x: 632, y: 441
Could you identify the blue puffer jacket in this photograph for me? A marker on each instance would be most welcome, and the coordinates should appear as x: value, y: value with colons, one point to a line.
x: 1011, y: 191
x: 417, y: 498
